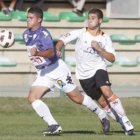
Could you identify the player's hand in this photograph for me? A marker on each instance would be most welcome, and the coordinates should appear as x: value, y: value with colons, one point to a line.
x: 59, y: 53
x: 95, y: 45
x: 33, y: 51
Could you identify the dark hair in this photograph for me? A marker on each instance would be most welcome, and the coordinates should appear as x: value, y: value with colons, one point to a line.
x: 36, y: 10
x: 96, y: 11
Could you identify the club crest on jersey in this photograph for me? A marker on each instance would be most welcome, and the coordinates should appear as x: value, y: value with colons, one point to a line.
x: 61, y: 83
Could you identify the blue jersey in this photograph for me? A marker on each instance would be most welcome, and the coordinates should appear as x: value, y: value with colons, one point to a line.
x: 42, y: 40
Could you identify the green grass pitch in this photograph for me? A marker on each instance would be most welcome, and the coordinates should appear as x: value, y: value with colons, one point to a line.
x: 19, y: 122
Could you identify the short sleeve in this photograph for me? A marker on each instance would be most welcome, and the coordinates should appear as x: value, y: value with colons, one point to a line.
x: 109, y: 45
x: 46, y: 40
x: 70, y: 36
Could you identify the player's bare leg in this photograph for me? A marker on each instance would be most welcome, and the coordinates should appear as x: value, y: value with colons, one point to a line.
x: 42, y: 109
x: 116, y: 104
x: 85, y: 100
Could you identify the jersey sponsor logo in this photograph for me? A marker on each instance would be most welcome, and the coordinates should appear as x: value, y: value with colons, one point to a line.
x: 90, y: 50
x: 37, y: 61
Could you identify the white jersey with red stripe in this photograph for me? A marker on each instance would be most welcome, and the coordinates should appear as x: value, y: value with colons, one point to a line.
x: 88, y: 61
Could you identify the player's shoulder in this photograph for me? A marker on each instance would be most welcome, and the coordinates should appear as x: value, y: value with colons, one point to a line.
x: 106, y: 36
x: 44, y: 32
x: 26, y: 31
x: 25, y: 34
x: 81, y: 30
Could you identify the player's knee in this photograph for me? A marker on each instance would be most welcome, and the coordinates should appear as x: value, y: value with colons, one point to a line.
x: 103, y: 102
x: 31, y: 99
x: 76, y: 98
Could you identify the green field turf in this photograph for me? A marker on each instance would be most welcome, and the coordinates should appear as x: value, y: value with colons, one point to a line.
x: 19, y: 122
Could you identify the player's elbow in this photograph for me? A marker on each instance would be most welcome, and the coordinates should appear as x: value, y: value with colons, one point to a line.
x: 111, y: 58
x: 59, y: 45
x: 51, y: 53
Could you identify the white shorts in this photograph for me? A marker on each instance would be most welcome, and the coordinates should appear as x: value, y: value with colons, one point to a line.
x: 57, y: 74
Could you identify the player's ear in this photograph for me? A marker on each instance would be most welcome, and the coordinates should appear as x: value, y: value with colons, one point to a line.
x: 100, y: 20
x: 40, y: 20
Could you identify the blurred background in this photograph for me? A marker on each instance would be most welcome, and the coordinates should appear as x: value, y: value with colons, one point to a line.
x: 121, y: 21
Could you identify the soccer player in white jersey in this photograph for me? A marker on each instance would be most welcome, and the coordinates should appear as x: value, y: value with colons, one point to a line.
x: 93, y: 47
x: 51, y: 71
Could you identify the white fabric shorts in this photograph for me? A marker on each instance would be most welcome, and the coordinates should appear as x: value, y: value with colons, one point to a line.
x: 57, y: 74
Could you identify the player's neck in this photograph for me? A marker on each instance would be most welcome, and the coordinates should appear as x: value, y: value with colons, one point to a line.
x: 94, y: 32
x: 35, y: 28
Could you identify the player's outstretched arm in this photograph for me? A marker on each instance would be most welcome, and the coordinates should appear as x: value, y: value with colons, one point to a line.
x: 59, y: 46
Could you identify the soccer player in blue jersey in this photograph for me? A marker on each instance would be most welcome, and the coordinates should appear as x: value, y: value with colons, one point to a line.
x: 51, y: 72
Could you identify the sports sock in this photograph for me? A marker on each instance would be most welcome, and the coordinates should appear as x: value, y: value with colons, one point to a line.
x: 116, y: 104
x: 43, y: 111
x: 11, y: 9
x: 80, y: 4
x: 90, y: 104
x: 73, y: 2
x: 126, y: 123
x: 112, y: 113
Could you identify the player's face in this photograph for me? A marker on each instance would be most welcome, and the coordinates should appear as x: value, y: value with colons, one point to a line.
x: 33, y: 21
x: 93, y: 21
